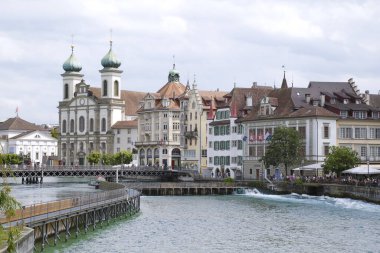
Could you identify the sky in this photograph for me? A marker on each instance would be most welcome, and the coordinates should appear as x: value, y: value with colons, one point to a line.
x: 218, y: 43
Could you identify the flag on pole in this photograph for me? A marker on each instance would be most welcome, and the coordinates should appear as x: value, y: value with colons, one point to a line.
x: 17, y: 110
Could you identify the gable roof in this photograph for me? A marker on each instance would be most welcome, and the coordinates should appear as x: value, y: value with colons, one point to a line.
x: 131, y: 99
x: 172, y: 89
x: 125, y: 124
x: 17, y: 123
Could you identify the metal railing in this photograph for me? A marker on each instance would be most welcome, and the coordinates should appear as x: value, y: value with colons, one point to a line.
x: 42, y: 211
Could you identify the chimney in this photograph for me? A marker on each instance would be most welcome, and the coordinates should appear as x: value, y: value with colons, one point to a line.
x: 254, y: 84
x: 366, y: 97
x: 322, y: 100
x: 307, y: 98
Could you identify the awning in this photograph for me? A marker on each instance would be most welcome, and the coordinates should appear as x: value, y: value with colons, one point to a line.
x: 315, y: 166
x: 363, y: 170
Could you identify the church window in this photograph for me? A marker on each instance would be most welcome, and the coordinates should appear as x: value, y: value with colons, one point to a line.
x: 66, y: 91
x: 105, y: 87
x: 116, y: 88
x: 81, y: 124
x: 91, y: 125
x: 103, y: 124
x: 64, y: 126
x: 81, y: 146
x: 72, y: 126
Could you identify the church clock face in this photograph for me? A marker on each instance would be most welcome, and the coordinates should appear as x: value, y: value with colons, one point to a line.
x: 81, y: 101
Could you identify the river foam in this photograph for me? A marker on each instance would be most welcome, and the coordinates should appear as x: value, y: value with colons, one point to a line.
x: 344, y: 203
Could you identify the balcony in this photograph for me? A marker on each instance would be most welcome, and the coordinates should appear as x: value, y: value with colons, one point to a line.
x: 154, y: 143
x: 191, y: 134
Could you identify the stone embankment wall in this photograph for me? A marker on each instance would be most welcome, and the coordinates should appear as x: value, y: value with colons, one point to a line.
x: 370, y: 194
x: 25, y: 243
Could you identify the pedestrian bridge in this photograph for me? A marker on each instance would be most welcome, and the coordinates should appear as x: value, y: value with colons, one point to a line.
x: 95, y: 171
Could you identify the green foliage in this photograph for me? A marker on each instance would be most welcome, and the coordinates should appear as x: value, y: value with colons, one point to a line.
x: 10, y: 159
x: 94, y: 158
x: 283, y: 148
x: 298, y: 181
x: 340, y: 159
x: 54, y: 133
x: 229, y: 180
x: 8, y: 205
x: 108, y: 159
x: 122, y: 157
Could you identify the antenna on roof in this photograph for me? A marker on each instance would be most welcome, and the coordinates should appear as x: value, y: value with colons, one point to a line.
x: 72, y: 43
x: 292, y: 80
x: 173, y: 61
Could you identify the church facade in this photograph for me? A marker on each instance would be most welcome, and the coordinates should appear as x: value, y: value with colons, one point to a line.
x: 87, y: 114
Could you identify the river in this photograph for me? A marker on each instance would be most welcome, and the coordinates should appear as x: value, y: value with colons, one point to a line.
x: 250, y: 222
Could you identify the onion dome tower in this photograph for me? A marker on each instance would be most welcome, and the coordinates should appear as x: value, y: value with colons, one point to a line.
x: 71, y: 77
x: 110, y: 75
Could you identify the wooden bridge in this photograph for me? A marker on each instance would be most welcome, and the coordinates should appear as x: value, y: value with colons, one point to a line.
x: 104, y: 171
x: 53, y: 219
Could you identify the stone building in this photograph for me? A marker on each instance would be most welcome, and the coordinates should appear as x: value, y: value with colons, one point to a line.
x: 87, y: 114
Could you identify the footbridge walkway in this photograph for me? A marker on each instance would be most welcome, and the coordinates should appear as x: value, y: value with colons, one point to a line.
x: 104, y: 171
x: 54, y: 219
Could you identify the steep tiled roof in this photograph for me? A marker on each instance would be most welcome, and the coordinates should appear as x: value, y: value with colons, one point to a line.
x: 313, y: 111
x: 18, y: 124
x: 125, y: 124
x: 172, y: 89
x: 131, y: 98
x: 237, y: 101
x: 374, y: 100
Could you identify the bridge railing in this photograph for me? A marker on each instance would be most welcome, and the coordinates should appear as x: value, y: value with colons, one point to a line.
x: 91, y: 167
x: 35, y: 212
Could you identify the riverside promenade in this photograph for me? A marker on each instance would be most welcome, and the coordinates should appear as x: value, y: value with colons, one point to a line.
x: 55, y: 220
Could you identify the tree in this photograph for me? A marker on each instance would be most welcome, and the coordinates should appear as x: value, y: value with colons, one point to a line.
x: 107, y: 159
x: 340, y: 159
x: 54, y: 133
x: 283, y: 148
x: 123, y: 157
x: 8, y: 205
x: 94, y: 158
x: 11, y: 159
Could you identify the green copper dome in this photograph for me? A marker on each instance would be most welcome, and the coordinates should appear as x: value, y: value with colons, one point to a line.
x: 72, y: 64
x: 109, y: 60
x: 173, y: 75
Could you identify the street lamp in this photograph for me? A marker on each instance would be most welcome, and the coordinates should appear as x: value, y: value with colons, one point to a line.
x: 368, y: 168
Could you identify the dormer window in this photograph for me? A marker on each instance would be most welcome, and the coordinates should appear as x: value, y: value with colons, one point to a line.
x: 375, y: 115
x: 315, y: 102
x: 345, y: 101
x: 360, y: 114
x: 357, y: 101
x: 344, y: 114
x: 333, y: 101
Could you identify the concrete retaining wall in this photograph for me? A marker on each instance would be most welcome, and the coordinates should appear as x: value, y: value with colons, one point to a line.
x: 25, y: 243
x: 370, y: 194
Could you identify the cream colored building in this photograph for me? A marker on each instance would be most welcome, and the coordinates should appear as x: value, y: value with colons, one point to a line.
x: 196, y: 107
x: 159, y: 125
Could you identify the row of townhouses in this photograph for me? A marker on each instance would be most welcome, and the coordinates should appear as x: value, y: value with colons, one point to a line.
x: 218, y: 133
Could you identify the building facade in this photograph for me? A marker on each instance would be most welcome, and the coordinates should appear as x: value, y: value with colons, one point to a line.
x: 159, y: 125
x: 21, y: 137
x: 87, y: 114
x: 226, y: 134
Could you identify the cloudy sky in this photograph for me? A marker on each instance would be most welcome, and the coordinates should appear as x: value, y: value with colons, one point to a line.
x: 222, y: 42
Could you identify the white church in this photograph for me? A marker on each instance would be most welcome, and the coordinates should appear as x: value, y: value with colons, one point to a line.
x: 92, y: 118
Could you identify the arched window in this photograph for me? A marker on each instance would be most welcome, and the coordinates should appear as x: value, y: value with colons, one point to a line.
x: 64, y: 126
x: 103, y: 124
x: 105, y: 87
x: 91, y: 125
x: 81, y: 124
x: 72, y: 126
x: 66, y: 91
x: 116, y: 88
